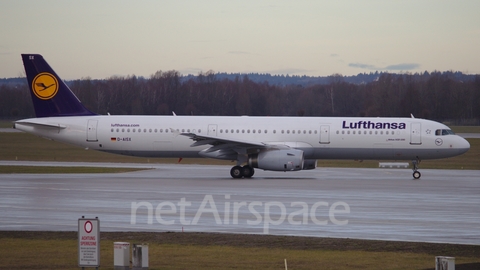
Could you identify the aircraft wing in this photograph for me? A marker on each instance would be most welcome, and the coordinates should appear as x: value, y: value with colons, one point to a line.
x: 239, y: 146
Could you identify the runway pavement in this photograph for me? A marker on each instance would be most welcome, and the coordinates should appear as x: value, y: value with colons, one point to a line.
x: 385, y: 204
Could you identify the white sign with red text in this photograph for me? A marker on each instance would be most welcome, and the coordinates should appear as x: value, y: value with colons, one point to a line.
x: 88, y: 242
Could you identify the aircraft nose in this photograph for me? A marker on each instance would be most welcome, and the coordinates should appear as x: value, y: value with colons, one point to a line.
x: 462, y: 145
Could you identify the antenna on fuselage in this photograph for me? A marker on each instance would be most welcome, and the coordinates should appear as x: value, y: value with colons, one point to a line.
x: 412, y: 115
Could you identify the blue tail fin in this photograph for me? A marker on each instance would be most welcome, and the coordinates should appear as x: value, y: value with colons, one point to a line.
x: 50, y: 95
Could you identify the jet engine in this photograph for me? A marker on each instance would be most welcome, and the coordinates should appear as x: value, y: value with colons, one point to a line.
x: 277, y: 160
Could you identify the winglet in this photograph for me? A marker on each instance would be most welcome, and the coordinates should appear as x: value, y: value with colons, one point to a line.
x: 50, y: 95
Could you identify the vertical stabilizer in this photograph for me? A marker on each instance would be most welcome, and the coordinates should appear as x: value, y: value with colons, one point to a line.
x: 50, y: 95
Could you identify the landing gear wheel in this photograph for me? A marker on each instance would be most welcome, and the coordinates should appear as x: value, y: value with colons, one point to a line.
x: 247, y: 171
x: 416, y: 174
x: 236, y: 172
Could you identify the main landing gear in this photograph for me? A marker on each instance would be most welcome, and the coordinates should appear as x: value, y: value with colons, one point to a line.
x: 416, y: 173
x: 239, y: 171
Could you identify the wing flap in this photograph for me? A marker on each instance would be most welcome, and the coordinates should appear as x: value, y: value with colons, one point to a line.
x: 205, y: 139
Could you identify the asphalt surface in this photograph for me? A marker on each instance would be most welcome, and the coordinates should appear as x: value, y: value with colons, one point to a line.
x: 383, y: 204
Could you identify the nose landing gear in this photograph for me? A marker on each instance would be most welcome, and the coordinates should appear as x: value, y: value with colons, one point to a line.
x: 416, y: 173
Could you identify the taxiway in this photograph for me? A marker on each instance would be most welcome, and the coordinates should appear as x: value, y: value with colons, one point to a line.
x: 384, y: 204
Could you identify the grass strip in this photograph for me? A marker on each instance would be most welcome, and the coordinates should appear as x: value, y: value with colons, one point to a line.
x: 465, y: 129
x: 6, y: 124
x: 58, y: 250
x: 24, y: 146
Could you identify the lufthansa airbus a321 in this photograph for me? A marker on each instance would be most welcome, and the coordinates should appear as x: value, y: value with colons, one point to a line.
x: 267, y: 143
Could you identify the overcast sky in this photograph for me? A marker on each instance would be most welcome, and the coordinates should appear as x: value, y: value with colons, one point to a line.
x: 99, y: 39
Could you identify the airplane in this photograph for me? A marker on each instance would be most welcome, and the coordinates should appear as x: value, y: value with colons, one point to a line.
x: 267, y: 143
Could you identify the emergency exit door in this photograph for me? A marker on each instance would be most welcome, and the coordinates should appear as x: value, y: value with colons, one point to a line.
x: 324, y: 134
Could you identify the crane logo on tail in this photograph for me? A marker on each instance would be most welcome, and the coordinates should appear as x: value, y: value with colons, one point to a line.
x: 45, y: 86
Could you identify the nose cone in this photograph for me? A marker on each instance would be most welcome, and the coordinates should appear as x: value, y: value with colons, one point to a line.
x: 462, y: 145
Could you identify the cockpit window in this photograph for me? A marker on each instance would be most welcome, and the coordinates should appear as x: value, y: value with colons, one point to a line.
x: 443, y: 132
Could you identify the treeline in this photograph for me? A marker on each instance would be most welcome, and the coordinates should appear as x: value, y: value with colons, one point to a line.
x: 360, y: 78
x: 438, y: 96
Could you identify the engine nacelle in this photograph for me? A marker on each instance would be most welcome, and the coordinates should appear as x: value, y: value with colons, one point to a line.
x: 309, y: 164
x: 277, y: 160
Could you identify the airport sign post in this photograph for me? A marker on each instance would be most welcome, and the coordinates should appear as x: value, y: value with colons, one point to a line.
x: 88, y: 242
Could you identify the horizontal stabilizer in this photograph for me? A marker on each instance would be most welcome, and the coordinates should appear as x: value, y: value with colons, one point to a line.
x: 44, y: 125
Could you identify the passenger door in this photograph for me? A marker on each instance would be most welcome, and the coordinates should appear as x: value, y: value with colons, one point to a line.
x: 92, y: 131
x: 416, y: 133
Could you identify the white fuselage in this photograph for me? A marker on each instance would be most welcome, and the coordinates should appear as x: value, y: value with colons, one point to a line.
x: 318, y: 137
